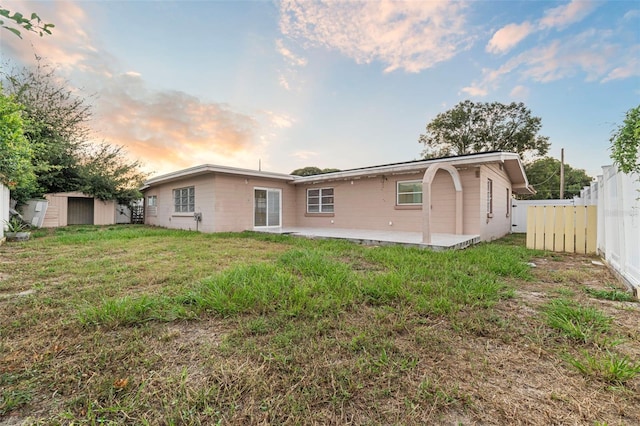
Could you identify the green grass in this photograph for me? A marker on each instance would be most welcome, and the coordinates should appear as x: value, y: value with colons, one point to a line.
x: 613, y: 294
x: 575, y: 321
x: 141, y: 325
x: 608, y: 366
x: 313, y: 283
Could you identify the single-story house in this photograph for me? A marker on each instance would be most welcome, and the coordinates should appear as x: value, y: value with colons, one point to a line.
x: 77, y: 208
x: 466, y: 195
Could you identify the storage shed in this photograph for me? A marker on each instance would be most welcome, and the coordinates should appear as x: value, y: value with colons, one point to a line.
x: 77, y: 208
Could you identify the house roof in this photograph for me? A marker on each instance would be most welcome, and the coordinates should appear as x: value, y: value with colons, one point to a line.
x: 511, y: 162
x: 212, y: 168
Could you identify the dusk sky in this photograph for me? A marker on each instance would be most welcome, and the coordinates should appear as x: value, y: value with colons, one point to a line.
x: 334, y: 84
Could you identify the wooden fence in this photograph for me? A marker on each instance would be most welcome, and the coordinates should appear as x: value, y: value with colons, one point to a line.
x: 562, y: 228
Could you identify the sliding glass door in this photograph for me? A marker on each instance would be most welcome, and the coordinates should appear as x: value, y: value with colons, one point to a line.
x: 267, y: 206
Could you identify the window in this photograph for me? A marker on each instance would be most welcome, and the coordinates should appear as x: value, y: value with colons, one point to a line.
x: 508, y: 202
x: 489, y: 198
x: 152, y: 205
x: 320, y: 200
x: 409, y: 192
x: 184, y: 200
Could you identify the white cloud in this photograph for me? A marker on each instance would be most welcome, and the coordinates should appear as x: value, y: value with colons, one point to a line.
x: 562, y: 16
x: 475, y: 91
x: 304, y: 155
x: 519, y: 92
x: 280, y: 121
x: 559, y: 17
x: 291, y: 57
x: 284, y: 82
x: 509, y: 36
x: 592, y: 53
x: 401, y: 34
x: 630, y: 68
x: 632, y: 14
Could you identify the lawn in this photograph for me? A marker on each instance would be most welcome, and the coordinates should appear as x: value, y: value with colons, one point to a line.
x: 140, y: 325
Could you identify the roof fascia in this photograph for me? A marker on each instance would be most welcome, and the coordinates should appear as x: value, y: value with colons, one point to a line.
x: 482, y: 158
x: 210, y: 168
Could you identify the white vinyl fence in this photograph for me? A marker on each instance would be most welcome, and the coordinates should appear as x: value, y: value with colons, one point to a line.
x: 617, y: 196
x: 519, y: 211
x: 4, y: 208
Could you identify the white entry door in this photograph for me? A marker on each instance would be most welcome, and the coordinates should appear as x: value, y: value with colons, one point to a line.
x: 267, y: 205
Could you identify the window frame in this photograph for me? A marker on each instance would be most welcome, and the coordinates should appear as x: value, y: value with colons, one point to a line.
x: 398, y: 193
x: 489, y: 197
x: 323, y: 207
x: 152, y: 206
x: 508, y: 202
x: 190, y: 197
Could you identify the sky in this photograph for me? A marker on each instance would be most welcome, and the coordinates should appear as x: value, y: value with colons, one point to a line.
x: 280, y: 85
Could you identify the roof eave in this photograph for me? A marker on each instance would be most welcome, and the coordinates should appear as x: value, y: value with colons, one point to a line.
x: 211, y: 168
x: 391, y: 169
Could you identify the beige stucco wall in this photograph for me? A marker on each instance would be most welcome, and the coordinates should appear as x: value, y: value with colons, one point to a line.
x: 166, y: 217
x: 500, y: 224
x: 365, y: 203
x: 225, y: 201
x: 234, y: 201
x: 370, y: 203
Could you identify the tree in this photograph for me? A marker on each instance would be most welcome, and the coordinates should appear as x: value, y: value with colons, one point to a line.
x: 58, y: 132
x: 544, y: 175
x: 107, y: 174
x: 472, y: 127
x: 312, y: 170
x: 15, y: 151
x: 625, y: 142
x: 57, y: 126
x: 34, y: 24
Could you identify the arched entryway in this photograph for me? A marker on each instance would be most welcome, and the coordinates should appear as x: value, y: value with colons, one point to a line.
x: 427, y: 180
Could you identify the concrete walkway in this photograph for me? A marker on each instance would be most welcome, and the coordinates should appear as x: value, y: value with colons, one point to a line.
x: 378, y: 237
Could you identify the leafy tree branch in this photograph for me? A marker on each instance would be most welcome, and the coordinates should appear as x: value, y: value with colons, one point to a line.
x: 33, y: 24
x: 625, y: 142
x: 471, y: 127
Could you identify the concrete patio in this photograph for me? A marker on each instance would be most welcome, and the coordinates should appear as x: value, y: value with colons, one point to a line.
x: 375, y: 237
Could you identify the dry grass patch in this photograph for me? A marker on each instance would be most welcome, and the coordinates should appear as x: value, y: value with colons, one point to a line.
x: 136, y: 325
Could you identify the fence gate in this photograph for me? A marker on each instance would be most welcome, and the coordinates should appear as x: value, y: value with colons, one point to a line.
x: 562, y: 228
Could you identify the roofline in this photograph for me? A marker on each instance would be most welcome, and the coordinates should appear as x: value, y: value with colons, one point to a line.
x: 395, y: 168
x: 212, y: 168
x: 410, y: 166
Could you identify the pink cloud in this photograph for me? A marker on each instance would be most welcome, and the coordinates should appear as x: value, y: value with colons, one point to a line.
x: 163, y: 129
x: 175, y: 125
x: 509, y: 36
x: 401, y: 34
x: 562, y: 16
x: 592, y: 53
